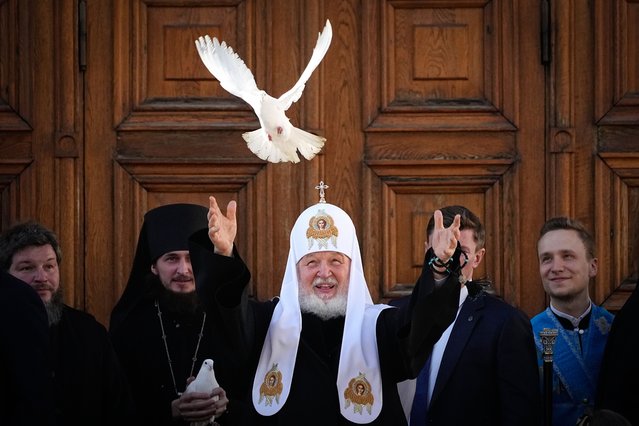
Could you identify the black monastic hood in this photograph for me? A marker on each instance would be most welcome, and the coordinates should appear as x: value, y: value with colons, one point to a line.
x: 165, y: 228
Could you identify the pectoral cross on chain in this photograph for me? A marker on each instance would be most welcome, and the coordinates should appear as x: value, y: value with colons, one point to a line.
x: 321, y: 188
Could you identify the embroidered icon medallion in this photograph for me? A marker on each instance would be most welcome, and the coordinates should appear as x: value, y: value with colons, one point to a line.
x: 271, y: 388
x: 359, y: 394
x: 321, y: 228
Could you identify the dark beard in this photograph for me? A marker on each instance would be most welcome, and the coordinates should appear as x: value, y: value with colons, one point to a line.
x: 55, y: 307
x: 180, y: 303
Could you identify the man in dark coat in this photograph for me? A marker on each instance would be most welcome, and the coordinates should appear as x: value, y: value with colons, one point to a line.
x: 483, y: 370
x: 323, y: 353
x: 88, y: 384
x: 160, y: 331
x: 24, y: 356
x: 618, y: 388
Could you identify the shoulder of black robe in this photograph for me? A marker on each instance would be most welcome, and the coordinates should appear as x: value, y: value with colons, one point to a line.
x: 430, y: 311
x: 215, y: 273
x: 222, y: 285
x: 24, y: 358
x: 617, y: 388
x: 92, y: 388
x: 136, y: 284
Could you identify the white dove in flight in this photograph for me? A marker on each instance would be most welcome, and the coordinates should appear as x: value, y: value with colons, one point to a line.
x: 204, y: 382
x: 277, y: 140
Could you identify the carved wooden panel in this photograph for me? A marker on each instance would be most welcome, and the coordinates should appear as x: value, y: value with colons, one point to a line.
x: 448, y: 126
x: 448, y: 64
x: 617, y: 63
x: 41, y: 128
x: 409, y: 192
x: 15, y: 115
x: 616, y: 207
x: 68, y: 149
x: 616, y: 112
x: 163, y: 83
x: 10, y: 194
x: 15, y: 90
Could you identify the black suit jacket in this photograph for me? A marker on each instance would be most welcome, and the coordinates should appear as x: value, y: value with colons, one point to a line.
x: 488, y: 374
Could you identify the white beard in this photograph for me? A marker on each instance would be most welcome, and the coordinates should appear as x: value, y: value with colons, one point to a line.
x: 325, y: 309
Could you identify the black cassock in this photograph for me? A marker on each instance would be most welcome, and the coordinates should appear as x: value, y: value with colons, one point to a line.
x: 89, y: 386
x: 404, y: 338
x: 140, y: 348
x: 25, y: 397
x: 618, y: 388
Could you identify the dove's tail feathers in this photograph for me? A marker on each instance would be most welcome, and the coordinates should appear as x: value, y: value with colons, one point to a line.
x: 307, y: 143
x: 259, y: 143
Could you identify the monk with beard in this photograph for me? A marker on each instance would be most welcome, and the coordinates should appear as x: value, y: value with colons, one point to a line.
x: 88, y: 385
x: 161, y: 332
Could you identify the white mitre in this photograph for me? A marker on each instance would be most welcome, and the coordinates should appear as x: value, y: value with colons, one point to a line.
x: 323, y: 227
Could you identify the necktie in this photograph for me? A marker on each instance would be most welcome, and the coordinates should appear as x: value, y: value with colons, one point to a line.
x: 418, y: 412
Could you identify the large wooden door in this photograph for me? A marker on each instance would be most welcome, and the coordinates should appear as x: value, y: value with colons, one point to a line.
x: 41, y: 128
x: 520, y: 110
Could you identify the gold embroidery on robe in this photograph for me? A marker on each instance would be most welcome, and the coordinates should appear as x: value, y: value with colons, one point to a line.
x: 359, y: 394
x: 321, y: 228
x: 272, y: 386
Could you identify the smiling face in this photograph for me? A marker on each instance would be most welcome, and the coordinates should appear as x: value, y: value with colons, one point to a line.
x: 323, y: 283
x: 175, y: 271
x: 38, y: 267
x: 565, y: 266
x: 324, y: 274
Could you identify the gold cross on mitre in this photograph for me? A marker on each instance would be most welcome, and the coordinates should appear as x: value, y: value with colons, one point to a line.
x: 321, y: 188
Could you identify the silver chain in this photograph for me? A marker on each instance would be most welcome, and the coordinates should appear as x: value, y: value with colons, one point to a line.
x: 166, y: 346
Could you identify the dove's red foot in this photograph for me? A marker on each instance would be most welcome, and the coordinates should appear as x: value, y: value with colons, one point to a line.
x: 269, y: 137
x: 279, y: 130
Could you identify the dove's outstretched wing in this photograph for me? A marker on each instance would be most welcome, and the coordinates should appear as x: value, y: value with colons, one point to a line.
x: 230, y: 70
x: 321, y: 47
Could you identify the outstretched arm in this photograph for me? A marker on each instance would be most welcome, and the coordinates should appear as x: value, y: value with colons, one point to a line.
x: 433, y: 308
x: 222, y: 228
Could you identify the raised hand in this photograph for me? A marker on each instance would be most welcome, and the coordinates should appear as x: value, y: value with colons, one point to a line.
x: 222, y: 228
x: 444, y: 240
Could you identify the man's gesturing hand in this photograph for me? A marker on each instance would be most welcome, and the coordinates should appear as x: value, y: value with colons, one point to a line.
x: 222, y: 229
x: 444, y: 240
